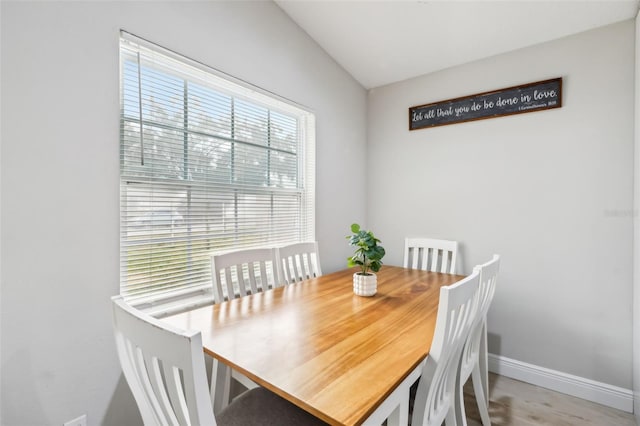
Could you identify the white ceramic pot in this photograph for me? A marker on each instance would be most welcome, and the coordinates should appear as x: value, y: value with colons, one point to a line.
x: 365, y: 285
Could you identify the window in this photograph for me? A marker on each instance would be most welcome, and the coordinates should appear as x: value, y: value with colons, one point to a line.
x: 207, y: 164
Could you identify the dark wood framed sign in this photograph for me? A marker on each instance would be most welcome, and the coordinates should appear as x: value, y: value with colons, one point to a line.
x: 530, y: 97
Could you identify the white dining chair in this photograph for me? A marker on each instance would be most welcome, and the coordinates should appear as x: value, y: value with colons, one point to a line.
x: 435, y: 395
x: 474, y: 360
x: 299, y: 261
x: 431, y: 254
x: 165, y: 370
x: 236, y: 274
x: 242, y: 272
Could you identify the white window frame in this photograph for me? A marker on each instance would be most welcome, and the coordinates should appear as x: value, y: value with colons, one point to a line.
x: 161, y: 224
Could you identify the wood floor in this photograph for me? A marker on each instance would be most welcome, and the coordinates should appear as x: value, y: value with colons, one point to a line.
x: 514, y: 403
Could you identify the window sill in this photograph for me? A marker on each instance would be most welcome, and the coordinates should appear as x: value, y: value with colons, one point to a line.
x: 163, y: 308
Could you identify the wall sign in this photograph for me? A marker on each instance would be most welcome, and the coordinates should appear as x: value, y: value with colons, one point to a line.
x: 530, y: 97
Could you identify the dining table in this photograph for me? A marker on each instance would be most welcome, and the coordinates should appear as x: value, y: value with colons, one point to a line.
x: 315, y: 343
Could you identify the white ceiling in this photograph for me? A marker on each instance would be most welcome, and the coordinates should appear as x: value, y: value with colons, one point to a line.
x: 381, y: 42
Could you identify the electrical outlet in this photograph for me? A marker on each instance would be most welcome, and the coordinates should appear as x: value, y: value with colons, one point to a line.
x: 79, y: 421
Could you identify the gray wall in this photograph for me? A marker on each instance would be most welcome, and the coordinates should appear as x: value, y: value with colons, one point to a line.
x: 550, y: 191
x: 60, y: 184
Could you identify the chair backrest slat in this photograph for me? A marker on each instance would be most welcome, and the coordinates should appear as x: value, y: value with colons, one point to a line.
x: 177, y: 398
x: 139, y: 378
x: 151, y: 367
x: 431, y: 254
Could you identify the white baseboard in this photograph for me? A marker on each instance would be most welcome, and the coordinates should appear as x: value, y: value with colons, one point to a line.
x: 601, y: 393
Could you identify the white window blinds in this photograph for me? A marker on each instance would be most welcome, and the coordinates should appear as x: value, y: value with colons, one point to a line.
x: 207, y: 164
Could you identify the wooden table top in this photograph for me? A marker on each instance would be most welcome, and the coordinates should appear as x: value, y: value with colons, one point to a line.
x: 315, y: 343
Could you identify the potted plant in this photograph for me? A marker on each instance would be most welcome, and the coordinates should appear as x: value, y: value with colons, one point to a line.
x: 368, y: 255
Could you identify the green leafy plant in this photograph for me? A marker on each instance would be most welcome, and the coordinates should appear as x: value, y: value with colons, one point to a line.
x: 368, y: 254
